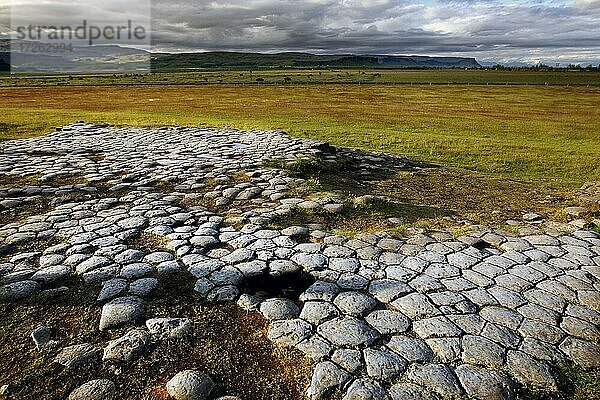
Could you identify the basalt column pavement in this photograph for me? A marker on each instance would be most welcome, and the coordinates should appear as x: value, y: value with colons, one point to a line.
x: 427, y: 317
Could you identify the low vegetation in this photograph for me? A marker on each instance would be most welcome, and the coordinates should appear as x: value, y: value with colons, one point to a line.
x: 414, y: 195
x: 357, y: 76
x: 574, y: 383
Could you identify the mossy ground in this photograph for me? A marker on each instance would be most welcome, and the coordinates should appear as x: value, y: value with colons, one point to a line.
x: 419, y: 195
x: 574, y: 383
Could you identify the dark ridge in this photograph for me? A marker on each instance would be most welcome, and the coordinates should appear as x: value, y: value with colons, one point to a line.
x: 217, y: 60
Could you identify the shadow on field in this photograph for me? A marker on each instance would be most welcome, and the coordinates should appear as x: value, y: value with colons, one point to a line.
x: 418, y: 194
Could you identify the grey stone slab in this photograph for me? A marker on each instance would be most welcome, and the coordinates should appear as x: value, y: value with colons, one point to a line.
x: 446, y: 349
x: 347, y: 331
x: 502, y: 316
x: 482, y: 351
x: 437, y: 377
x: 582, y: 352
x: 436, y: 327
x: 388, y: 322
x: 289, y: 332
x: 409, y: 391
x: 365, y: 389
x: 482, y: 383
x: 326, y: 378
x: 383, y: 364
x: 277, y: 309
x: 529, y: 371
x: 387, y: 290
x: 415, y: 306
x: 411, y: 349
x: 349, y: 359
x: 315, y: 347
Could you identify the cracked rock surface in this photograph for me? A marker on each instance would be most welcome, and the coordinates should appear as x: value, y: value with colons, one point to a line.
x: 383, y: 318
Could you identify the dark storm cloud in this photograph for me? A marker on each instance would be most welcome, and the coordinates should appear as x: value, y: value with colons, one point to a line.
x: 501, y: 30
x: 528, y: 31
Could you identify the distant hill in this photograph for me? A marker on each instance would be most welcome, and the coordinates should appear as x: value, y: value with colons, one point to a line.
x: 216, y: 60
x: 113, y: 58
x: 79, y: 59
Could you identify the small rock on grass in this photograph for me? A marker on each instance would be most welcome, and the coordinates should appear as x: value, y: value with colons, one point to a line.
x: 531, y: 217
x: 100, y: 389
x: 249, y: 302
x: 111, y: 289
x: 169, y: 328
x: 190, y: 385
x: 143, y: 287
x: 18, y: 291
x: 120, y: 311
x: 78, y: 356
x: 42, y: 337
x: 127, y: 348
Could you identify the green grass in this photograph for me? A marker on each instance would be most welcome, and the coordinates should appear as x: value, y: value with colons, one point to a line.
x: 544, y: 134
x: 462, y: 231
x: 356, y: 218
x: 515, y: 230
x: 355, y: 76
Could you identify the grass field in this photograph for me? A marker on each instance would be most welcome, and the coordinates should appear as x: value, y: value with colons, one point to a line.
x: 544, y: 134
x: 351, y: 76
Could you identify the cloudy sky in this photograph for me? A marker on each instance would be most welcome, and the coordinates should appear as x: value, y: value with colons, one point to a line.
x: 527, y: 31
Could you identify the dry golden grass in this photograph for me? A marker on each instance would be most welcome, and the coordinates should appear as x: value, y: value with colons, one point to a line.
x: 529, y: 133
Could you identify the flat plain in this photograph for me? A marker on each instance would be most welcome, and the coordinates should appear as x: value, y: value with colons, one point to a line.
x: 488, y: 76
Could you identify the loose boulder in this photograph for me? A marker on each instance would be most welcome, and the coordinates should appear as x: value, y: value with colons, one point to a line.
x: 100, y: 389
x: 190, y: 385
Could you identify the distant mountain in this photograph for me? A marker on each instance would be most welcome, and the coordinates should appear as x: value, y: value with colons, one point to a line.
x: 518, y: 64
x: 79, y: 59
x: 115, y: 59
x: 216, y: 60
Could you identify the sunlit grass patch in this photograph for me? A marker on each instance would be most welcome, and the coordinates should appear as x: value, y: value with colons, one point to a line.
x: 545, y: 134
